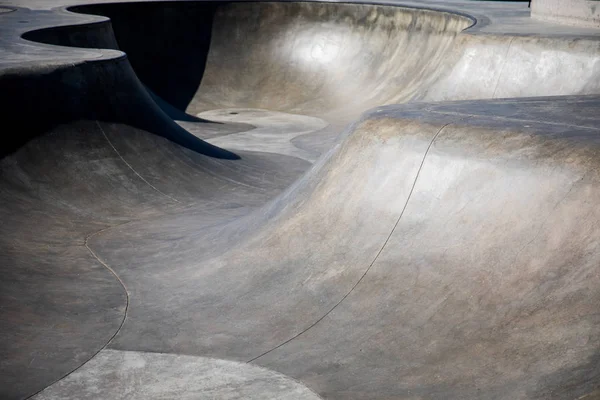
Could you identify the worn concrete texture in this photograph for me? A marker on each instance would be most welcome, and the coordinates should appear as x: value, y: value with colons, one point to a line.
x: 131, y: 375
x: 293, y: 200
x: 573, y: 12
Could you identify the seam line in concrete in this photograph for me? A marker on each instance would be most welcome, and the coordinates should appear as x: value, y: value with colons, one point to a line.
x: 131, y: 167
x: 85, y: 243
x: 503, y: 65
x: 414, y: 184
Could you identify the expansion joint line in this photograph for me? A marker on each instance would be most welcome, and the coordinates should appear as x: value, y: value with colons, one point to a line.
x: 131, y: 167
x: 125, y: 312
x: 374, y: 259
x: 503, y: 66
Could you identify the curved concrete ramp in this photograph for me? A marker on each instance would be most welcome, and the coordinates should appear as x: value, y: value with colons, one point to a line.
x: 337, y: 60
x: 462, y: 240
x: 220, y: 195
x: 485, y: 286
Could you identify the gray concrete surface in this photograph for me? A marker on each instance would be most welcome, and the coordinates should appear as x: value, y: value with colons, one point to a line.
x: 271, y: 131
x: 133, y: 375
x: 241, y: 183
x: 572, y: 12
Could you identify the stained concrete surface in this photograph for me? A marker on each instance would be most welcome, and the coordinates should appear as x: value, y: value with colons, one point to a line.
x: 431, y: 250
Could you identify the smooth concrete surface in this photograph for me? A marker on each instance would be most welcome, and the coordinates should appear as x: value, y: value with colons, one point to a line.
x: 573, y: 12
x: 230, y: 183
x: 271, y: 131
x: 133, y: 375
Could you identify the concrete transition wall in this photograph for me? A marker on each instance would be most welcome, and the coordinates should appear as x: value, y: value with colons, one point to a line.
x: 574, y: 12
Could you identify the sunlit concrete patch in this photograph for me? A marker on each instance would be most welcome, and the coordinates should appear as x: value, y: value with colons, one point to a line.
x: 132, y: 375
x: 273, y: 131
x: 595, y: 395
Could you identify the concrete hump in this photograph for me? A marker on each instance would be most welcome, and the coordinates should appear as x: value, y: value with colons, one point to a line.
x: 298, y: 200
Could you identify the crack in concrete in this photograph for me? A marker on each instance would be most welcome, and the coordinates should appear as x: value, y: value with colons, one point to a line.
x: 372, y: 262
x: 503, y: 66
x: 86, y: 244
x: 131, y: 167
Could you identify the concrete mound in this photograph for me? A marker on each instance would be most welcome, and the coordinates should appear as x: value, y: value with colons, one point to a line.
x: 220, y: 190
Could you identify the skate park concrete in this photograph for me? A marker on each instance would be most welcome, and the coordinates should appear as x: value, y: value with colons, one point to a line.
x: 571, y: 12
x: 291, y: 200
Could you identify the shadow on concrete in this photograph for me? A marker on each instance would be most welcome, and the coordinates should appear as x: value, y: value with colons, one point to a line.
x: 173, y: 66
x: 106, y: 90
x: 109, y: 90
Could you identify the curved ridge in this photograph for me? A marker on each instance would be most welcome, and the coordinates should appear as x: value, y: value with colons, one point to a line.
x: 372, y: 262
